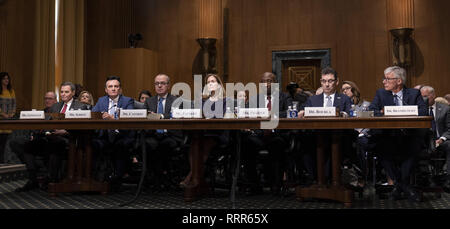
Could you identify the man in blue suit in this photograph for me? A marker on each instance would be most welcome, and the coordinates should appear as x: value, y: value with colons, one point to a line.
x: 398, y: 149
x: 329, y: 98
x: 119, y: 142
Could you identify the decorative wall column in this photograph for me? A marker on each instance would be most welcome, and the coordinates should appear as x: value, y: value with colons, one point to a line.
x: 71, y: 39
x: 400, y: 23
x: 209, y: 32
x: 43, y: 79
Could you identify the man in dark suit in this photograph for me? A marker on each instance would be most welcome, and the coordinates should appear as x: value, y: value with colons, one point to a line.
x: 440, y: 127
x: 398, y: 147
x: 275, y: 142
x: 329, y: 98
x: 161, y: 143
x: 50, y: 144
x: 117, y: 142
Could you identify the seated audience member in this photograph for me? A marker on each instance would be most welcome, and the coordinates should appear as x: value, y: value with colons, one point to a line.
x: 296, y: 94
x: 441, y: 100
x: 241, y: 99
x: 447, y: 97
x: 329, y: 98
x: 308, y: 93
x: 418, y: 87
x: 118, y: 142
x: 86, y: 98
x: 7, y: 108
x: 161, y: 143
x: 22, y: 137
x: 49, y: 100
x: 144, y: 95
x: 440, y: 127
x: 398, y: 148
x: 51, y: 145
x: 319, y: 91
x: 274, y: 141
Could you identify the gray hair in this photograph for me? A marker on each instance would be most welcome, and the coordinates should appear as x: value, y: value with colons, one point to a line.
x: 72, y: 86
x: 427, y: 88
x: 399, y: 72
x: 168, y: 78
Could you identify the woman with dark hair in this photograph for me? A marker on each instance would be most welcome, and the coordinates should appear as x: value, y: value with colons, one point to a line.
x: 352, y: 91
x: 7, y: 108
x: 143, y: 95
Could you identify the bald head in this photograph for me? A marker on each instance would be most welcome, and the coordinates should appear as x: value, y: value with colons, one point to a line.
x: 268, y: 78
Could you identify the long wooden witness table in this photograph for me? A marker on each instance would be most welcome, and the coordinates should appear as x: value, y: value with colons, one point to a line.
x: 335, y: 191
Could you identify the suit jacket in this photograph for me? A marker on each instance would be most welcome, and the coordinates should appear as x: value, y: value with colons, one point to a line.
x: 283, y: 103
x: 341, y: 101
x: 123, y: 103
x: 442, y: 114
x: 384, y: 98
x: 151, y: 104
x: 57, y: 107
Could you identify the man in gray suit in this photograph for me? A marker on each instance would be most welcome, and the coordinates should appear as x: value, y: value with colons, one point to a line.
x: 161, y: 143
x: 440, y: 127
x: 50, y: 144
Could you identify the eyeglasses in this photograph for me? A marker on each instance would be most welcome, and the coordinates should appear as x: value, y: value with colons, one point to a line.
x: 346, y: 88
x: 327, y: 81
x: 384, y: 79
x: 161, y: 83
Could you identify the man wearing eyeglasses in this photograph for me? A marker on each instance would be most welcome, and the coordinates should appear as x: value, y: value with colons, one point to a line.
x: 398, y: 149
x: 329, y: 98
x: 161, y: 143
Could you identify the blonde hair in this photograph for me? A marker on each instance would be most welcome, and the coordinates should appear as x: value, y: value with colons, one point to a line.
x: 91, y: 100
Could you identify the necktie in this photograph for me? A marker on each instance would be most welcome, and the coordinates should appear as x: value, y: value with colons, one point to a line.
x: 64, y: 109
x: 269, y: 104
x: 433, y: 123
x: 396, y: 100
x: 329, y: 103
x: 160, y: 111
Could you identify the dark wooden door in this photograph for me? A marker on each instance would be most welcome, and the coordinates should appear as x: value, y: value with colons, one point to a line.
x: 306, y: 73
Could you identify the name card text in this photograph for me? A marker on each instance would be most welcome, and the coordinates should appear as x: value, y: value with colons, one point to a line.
x: 186, y: 113
x: 253, y: 113
x: 401, y: 110
x: 320, y: 111
x: 78, y: 114
x: 32, y: 115
x: 137, y: 113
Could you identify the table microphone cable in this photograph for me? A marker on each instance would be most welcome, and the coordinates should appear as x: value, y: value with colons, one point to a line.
x: 143, y: 172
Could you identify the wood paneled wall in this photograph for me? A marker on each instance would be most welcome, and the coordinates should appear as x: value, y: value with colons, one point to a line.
x: 108, y: 23
x: 16, y: 47
x: 356, y: 30
x: 432, y: 41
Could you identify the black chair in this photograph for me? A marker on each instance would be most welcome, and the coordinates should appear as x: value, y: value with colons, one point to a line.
x: 429, y: 170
